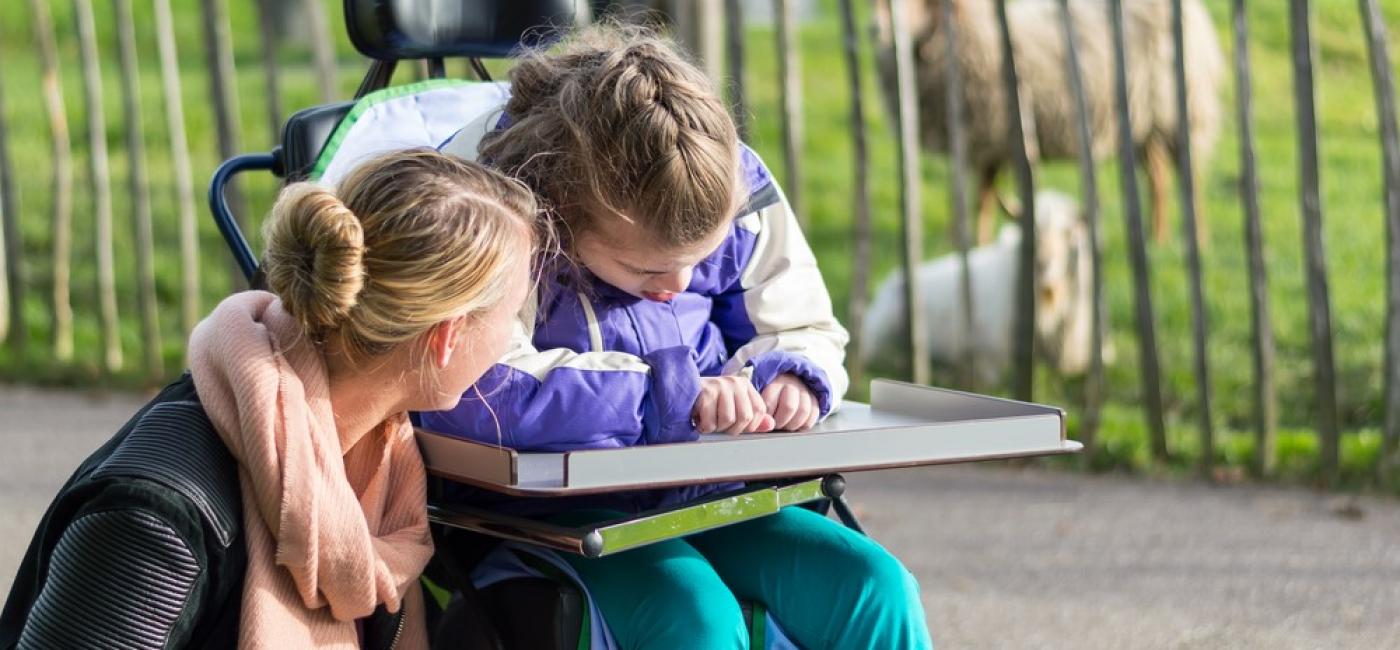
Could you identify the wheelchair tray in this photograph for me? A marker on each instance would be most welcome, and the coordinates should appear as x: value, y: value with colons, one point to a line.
x: 905, y: 425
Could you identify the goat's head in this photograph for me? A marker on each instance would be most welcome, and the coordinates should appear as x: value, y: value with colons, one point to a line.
x: 1063, y: 272
x: 922, y: 16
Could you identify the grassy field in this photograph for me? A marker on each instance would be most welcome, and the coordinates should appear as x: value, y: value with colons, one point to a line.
x: 1351, y: 205
x: 1354, y: 238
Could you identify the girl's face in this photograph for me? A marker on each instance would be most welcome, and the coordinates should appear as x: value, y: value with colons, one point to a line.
x: 628, y: 258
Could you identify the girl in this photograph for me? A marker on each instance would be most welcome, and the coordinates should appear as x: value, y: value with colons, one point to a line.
x: 686, y: 302
x: 273, y: 497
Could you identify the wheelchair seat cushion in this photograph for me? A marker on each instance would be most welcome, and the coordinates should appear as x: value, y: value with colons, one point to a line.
x: 419, y: 29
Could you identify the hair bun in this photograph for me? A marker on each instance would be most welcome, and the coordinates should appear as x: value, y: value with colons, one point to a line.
x: 315, y: 256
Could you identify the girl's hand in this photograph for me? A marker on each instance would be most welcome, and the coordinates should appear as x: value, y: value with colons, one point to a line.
x: 730, y: 404
x: 791, y: 403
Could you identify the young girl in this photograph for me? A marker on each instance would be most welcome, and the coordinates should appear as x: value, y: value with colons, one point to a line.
x: 273, y: 497
x: 686, y: 301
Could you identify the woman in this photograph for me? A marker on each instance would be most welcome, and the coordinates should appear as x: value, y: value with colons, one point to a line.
x: 273, y: 496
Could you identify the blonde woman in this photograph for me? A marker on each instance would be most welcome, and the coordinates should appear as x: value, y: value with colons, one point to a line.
x: 273, y: 497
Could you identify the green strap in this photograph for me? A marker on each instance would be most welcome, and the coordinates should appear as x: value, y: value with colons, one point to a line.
x: 440, y: 595
x: 758, y: 627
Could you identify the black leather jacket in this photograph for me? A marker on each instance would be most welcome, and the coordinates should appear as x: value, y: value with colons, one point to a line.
x: 143, y: 546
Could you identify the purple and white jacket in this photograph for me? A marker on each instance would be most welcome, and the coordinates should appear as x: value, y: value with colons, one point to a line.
x: 596, y: 367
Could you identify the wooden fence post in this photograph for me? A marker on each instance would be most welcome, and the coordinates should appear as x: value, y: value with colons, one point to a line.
x: 1319, y: 305
x: 101, y: 186
x: 791, y: 99
x: 1186, y: 181
x: 734, y: 59
x: 61, y: 148
x: 4, y: 261
x: 180, y: 160
x: 696, y: 25
x: 4, y: 284
x: 1378, y: 47
x: 323, y: 51
x: 13, y: 265
x: 140, y: 190
x: 218, y: 58
x: 1265, y: 404
x: 1137, y: 247
x: 272, y: 87
x: 911, y: 223
x: 860, y: 231
x: 957, y: 162
x: 1024, y: 355
x: 1089, y: 191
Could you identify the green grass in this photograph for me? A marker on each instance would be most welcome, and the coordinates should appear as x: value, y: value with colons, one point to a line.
x: 1351, y: 206
x: 1352, y: 211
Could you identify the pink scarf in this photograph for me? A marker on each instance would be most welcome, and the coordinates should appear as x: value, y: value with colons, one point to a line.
x: 334, y: 526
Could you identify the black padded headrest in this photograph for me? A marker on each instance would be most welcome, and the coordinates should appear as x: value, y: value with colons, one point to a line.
x: 305, y: 135
x: 421, y: 29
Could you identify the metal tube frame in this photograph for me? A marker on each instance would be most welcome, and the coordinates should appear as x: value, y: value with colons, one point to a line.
x: 643, y: 529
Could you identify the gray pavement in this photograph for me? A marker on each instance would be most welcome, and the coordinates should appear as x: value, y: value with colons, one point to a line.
x: 1006, y: 558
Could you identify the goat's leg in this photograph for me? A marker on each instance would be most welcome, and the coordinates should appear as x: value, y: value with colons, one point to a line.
x: 1158, y: 163
x: 987, y: 204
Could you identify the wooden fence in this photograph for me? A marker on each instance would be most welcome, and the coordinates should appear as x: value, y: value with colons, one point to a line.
x: 218, y: 70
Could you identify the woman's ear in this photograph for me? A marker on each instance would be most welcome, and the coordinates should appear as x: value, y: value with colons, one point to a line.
x: 442, y: 341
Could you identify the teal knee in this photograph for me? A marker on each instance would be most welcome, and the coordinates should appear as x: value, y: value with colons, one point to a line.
x: 661, y: 596
x: 689, y: 616
x: 887, y: 611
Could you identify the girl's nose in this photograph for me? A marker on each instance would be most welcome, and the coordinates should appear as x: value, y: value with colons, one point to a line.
x: 674, y: 282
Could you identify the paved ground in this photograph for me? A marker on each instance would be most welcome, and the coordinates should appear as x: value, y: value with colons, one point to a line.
x: 1006, y: 558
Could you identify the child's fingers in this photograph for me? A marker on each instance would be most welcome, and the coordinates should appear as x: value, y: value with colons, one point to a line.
x: 816, y: 415
x: 704, y: 413
x: 761, y: 421
x: 780, y: 418
x: 770, y: 396
x: 787, y: 405
x: 806, y: 412
x: 724, y: 411
x: 743, y: 412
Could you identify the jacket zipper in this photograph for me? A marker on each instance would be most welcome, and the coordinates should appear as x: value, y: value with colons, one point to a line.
x: 398, y: 631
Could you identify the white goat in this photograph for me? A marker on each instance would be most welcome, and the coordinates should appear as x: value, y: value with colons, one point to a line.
x: 1064, y: 295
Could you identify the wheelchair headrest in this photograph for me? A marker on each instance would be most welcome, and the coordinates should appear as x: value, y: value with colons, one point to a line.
x: 421, y: 29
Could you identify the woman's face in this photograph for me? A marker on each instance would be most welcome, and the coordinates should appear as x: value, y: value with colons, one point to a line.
x: 629, y: 259
x: 476, y: 342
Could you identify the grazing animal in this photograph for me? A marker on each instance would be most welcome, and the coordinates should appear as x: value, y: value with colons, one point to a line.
x: 1048, y: 104
x: 1064, y: 299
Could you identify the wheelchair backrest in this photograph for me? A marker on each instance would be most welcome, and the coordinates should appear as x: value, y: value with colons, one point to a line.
x: 388, y: 31
x: 423, y: 114
x: 305, y: 135
x: 393, y: 30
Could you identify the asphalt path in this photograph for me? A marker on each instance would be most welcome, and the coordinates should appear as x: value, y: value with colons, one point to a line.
x: 1006, y: 558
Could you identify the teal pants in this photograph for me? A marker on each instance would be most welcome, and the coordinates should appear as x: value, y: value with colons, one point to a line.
x: 827, y: 586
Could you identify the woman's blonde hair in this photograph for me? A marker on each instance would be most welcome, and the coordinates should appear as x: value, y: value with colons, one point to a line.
x: 615, y: 122
x: 407, y: 240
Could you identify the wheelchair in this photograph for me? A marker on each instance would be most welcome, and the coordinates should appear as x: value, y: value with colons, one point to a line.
x: 546, y: 610
x: 529, y: 601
